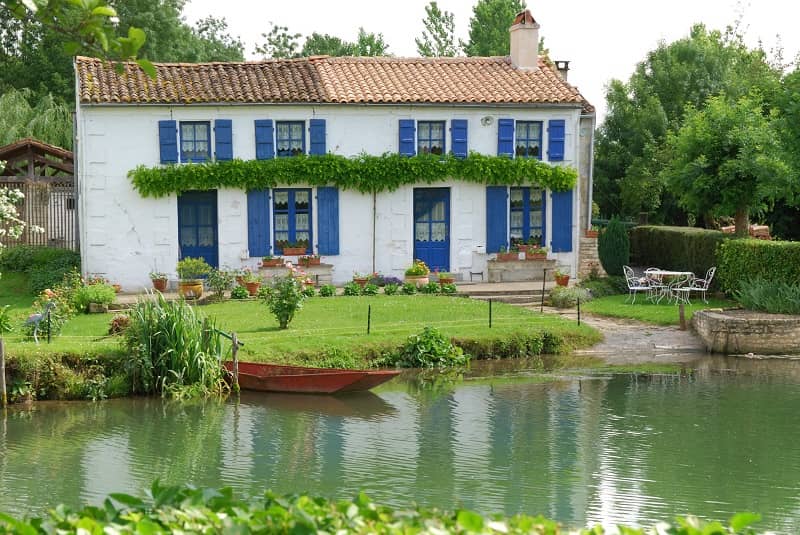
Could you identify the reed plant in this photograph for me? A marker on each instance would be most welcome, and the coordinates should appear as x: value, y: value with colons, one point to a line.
x: 775, y: 296
x: 172, y: 350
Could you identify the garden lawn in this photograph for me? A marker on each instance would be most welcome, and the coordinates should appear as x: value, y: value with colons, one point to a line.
x: 335, y: 326
x: 618, y: 306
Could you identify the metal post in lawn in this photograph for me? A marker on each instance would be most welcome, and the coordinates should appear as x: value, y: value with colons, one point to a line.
x: 48, y: 325
x: 579, y: 310
x: 3, y: 398
x: 544, y: 281
x: 490, y: 313
x: 235, y: 356
x: 369, y: 318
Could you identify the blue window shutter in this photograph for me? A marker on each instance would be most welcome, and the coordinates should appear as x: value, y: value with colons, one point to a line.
x: 555, y: 140
x: 223, y: 139
x: 505, y: 137
x: 458, y: 137
x: 265, y: 139
x: 168, y: 141
x: 317, y: 137
x: 561, y: 241
x: 258, y: 222
x: 408, y: 145
x: 328, y: 219
x: 496, y: 218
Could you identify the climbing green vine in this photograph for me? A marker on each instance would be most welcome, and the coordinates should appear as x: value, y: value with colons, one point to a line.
x: 363, y: 173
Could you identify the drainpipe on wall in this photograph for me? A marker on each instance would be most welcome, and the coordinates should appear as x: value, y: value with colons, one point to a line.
x: 374, y: 226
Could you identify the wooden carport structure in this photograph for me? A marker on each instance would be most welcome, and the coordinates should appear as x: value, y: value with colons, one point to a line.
x: 46, y: 176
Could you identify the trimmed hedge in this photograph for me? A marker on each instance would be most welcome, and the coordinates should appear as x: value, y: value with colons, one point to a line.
x: 45, y: 265
x: 677, y: 248
x: 747, y: 259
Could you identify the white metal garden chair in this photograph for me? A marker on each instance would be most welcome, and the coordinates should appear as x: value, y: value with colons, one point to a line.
x: 701, y: 285
x: 635, y: 284
x: 655, y: 282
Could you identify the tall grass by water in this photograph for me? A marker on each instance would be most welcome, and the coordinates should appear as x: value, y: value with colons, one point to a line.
x: 172, y: 350
x: 775, y: 296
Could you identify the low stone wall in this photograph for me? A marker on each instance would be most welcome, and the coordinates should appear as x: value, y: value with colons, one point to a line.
x: 743, y: 331
x: 520, y: 270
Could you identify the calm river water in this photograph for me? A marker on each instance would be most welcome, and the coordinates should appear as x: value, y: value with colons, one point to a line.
x: 581, y: 449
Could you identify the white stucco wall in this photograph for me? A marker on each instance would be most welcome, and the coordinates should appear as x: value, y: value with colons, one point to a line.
x: 124, y: 236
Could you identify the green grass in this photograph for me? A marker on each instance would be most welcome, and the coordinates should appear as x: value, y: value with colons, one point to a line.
x: 643, y: 310
x: 324, y: 325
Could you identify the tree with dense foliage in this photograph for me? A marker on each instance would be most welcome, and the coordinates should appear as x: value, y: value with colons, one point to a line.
x: 614, y: 247
x: 49, y: 120
x: 438, y: 39
x: 673, y: 78
x: 488, y: 27
x: 280, y: 43
x: 726, y: 158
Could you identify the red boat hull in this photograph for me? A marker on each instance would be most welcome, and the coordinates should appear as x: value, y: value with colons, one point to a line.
x: 279, y: 378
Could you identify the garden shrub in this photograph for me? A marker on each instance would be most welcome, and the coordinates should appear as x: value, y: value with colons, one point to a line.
x: 677, y: 248
x: 409, y: 288
x: 240, y: 292
x: 50, y: 267
x: 370, y: 289
x: 100, y: 293
x: 286, y: 297
x: 309, y: 291
x: 449, y: 288
x: 428, y: 349
x: 24, y: 258
x: 564, y: 297
x: 327, y: 290
x: 175, y: 509
x: 776, y: 297
x: 430, y: 288
x: 744, y: 259
x: 605, y: 286
x: 613, y: 247
x: 391, y: 288
x: 352, y: 289
x: 218, y: 281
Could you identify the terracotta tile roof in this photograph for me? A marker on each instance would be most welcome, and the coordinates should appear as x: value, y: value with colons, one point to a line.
x: 344, y: 80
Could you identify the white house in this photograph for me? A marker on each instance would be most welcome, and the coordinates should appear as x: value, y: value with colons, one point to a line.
x: 518, y: 106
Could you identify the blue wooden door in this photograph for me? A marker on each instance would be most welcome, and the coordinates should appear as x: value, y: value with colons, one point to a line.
x: 432, y: 227
x: 197, y: 225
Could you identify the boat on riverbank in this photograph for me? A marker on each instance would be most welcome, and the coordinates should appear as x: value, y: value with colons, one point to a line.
x: 298, y: 379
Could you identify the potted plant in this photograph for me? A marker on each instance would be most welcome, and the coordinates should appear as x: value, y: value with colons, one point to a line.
x: 536, y: 252
x: 418, y: 273
x: 562, y: 277
x: 159, y: 280
x: 445, y: 277
x: 361, y: 278
x: 507, y: 255
x: 190, y: 272
x: 252, y: 281
x: 309, y: 260
x: 272, y: 261
x: 292, y: 248
x: 592, y: 232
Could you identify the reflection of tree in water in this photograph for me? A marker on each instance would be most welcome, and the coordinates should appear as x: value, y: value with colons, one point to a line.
x: 433, y: 383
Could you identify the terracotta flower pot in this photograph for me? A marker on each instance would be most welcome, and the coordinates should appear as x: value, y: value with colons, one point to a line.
x: 562, y: 280
x: 252, y: 288
x: 293, y: 251
x: 117, y: 288
x: 591, y: 233
x: 160, y: 284
x: 309, y: 261
x: 446, y: 280
x: 419, y: 280
x: 361, y: 281
x: 273, y: 262
x: 507, y: 257
x: 535, y: 256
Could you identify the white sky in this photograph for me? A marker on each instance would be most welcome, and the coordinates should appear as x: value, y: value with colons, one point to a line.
x: 601, y: 39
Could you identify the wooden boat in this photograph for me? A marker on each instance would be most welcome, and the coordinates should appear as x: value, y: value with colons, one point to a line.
x: 281, y: 378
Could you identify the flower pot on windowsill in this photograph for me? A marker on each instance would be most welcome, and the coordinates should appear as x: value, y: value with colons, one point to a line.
x: 418, y: 280
x: 562, y: 280
x: 252, y: 288
x: 294, y: 251
x: 507, y: 257
x: 191, y: 289
x: 272, y: 262
x: 591, y: 233
x: 446, y: 280
x: 535, y: 256
x: 160, y: 284
x: 309, y: 261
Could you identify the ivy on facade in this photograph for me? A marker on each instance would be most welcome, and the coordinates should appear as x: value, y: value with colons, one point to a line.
x: 364, y: 173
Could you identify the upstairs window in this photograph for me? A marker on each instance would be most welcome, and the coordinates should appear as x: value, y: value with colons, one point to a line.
x: 528, y: 139
x: 290, y: 138
x: 430, y: 137
x: 195, y: 141
x: 527, y: 211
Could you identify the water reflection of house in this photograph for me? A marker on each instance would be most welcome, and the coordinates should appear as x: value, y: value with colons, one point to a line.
x: 45, y: 175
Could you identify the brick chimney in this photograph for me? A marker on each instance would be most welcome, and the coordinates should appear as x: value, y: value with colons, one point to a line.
x: 525, y: 42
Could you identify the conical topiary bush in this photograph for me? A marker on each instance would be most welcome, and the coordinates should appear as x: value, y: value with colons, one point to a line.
x: 614, y: 247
